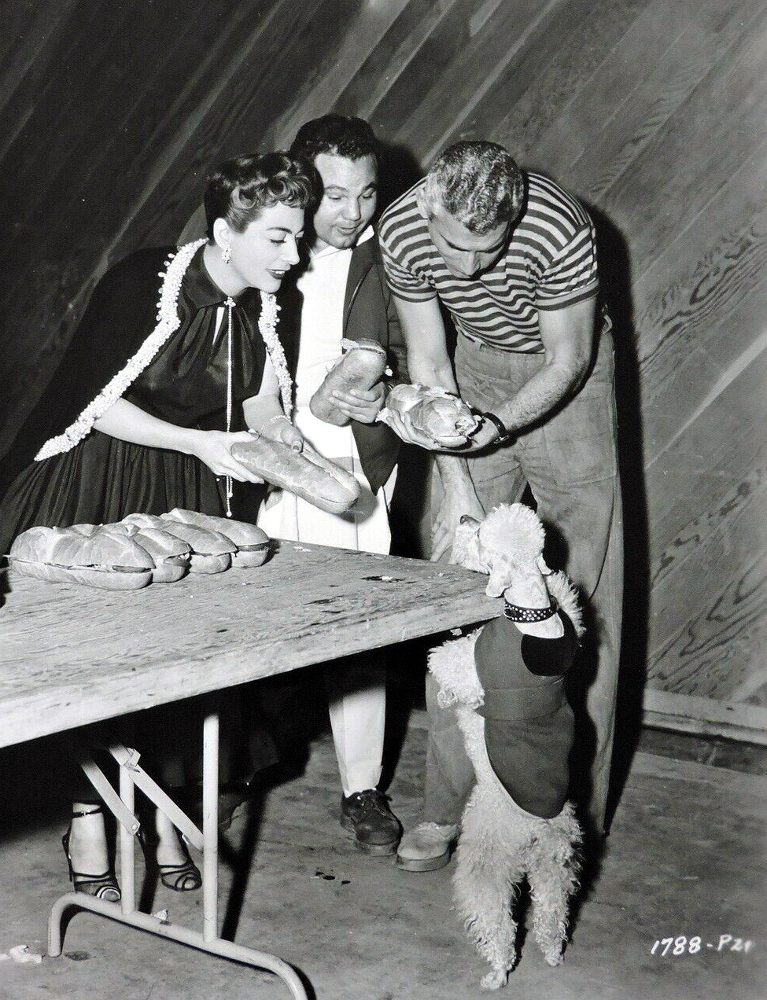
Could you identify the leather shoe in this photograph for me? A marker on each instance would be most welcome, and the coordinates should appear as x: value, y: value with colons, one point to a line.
x: 375, y: 827
x: 427, y: 847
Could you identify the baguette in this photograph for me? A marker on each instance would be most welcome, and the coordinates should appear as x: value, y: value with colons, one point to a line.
x: 211, y: 552
x: 361, y: 366
x: 100, y: 559
x: 252, y: 543
x: 307, y: 474
x: 445, y: 418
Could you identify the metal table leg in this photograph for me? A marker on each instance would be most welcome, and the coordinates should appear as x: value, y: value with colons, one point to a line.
x: 125, y: 911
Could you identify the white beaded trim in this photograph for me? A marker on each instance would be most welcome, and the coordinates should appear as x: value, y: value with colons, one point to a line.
x: 167, y: 323
x: 267, y: 325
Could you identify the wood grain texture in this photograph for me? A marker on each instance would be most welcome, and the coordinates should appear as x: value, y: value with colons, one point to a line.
x: 691, y: 714
x: 663, y: 187
x: 456, y: 88
x: 685, y: 41
x: 307, y: 605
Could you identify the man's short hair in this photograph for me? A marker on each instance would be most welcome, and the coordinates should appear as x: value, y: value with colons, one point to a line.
x: 339, y: 135
x: 478, y: 183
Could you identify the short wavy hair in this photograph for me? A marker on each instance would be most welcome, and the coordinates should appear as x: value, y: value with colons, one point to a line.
x: 240, y: 188
x: 478, y: 183
x: 338, y: 135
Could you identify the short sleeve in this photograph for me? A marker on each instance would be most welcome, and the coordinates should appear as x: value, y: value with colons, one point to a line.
x: 572, y: 274
x: 404, y: 282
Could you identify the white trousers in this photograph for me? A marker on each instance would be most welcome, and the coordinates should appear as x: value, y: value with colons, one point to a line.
x: 356, y: 685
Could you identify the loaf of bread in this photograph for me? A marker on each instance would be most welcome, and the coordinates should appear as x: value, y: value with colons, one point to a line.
x: 307, y: 474
x: 443, y: 417
x: 253, y: 544
x: 103, y: 559
x: 361, y: 366
x: 171, y: 555
x: 211, y: 552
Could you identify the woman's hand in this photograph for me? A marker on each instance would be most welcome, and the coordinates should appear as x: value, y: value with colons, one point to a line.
x: 279, y: 428
x: 213, y: 448
x: 362, y: 405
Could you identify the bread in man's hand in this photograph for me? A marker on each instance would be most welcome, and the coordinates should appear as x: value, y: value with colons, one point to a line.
x: 307, y: 474
x: 361, y: 366
x: 440, y: 415
x: 253, y: 544
x: 100, y: 559
x: 211, y: 552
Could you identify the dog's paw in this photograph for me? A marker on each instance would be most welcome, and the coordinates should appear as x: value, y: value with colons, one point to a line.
x: 494, y: 980
x: 554, y: 957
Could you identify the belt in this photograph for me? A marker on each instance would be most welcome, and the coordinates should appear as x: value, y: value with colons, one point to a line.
x: 496, y: 347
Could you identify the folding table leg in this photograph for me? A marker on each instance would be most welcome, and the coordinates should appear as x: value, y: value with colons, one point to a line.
x: 125, y: 911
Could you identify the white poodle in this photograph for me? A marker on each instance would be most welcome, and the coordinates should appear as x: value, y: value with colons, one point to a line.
x: 502, y: 843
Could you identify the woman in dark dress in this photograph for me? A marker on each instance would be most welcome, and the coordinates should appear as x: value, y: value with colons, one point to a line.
x: 176, y: 356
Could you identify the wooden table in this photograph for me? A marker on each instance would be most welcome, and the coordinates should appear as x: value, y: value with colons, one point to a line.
x: 71, y: 655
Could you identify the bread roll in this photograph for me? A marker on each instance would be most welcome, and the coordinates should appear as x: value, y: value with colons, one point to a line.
x: 211, y: 552
x: 252, y: 543
x: 172, y: 556
x: 307, y: 474
x: 101, y: 559
x: 361, y: 366
x: 445, y: 418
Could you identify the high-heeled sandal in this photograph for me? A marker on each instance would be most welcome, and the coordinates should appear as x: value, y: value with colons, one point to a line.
x: 101, y: 886
x: 185, y: 877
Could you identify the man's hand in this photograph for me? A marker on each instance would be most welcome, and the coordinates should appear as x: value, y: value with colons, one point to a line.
x: 486, y: 435
x: 454, y: 505
x: 362, y: 405
x: 279, y: 428
x: 402, y: 426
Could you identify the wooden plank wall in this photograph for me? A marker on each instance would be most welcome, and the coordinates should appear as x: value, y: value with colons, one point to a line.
x: 654, y: 112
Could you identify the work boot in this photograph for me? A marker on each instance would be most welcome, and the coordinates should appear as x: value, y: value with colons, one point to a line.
x: 427, y: 847
x: 375, y: 827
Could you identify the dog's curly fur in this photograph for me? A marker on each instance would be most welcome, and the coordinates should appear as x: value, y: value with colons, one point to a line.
x: 501, y: 844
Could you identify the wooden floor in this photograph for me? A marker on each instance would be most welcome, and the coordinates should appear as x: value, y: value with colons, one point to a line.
x: 685, y: 858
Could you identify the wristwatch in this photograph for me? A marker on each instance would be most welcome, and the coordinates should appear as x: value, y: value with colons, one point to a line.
x: 503, y: 432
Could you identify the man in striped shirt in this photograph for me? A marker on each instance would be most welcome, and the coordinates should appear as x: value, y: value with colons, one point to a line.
x: 512, y: 259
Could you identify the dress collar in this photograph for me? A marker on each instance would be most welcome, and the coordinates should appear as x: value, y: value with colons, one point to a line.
x: 201, y: 288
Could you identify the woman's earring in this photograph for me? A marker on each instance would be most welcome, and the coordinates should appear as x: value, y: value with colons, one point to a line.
x: 226, y: 254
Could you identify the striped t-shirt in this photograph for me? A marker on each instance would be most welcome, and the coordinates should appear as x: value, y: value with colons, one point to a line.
x: 550, y: 262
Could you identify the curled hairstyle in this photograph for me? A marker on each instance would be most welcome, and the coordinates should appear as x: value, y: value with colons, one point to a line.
x: 478, y: 183
x: 240, y: 188
x: 340, y: 135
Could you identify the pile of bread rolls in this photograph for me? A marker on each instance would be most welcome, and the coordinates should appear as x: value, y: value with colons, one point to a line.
x: 139, y: 550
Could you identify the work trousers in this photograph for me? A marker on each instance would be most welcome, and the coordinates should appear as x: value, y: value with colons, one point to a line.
x: 570, y: 465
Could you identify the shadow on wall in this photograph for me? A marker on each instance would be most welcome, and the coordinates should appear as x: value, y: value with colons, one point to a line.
x: 615, y: 282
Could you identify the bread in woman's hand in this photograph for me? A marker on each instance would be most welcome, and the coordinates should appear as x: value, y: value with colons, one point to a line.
x: 435, y: 412
x: 211, y: 552
x: 100, y: 559
x: 361, y: 366
x: 307, y: 474
x: 253, y: 544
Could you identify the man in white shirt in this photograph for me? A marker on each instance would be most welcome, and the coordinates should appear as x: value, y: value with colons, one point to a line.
x: 343, y: 294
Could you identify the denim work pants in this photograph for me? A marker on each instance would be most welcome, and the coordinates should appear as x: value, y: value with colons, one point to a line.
x: 570, y: 464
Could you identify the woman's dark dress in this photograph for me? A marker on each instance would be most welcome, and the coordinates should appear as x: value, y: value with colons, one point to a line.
x: 103, y: 479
